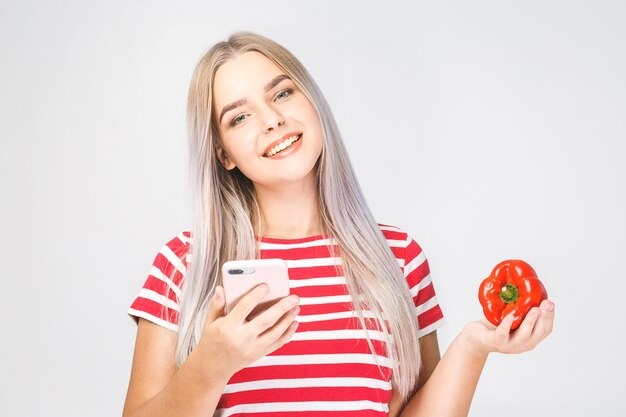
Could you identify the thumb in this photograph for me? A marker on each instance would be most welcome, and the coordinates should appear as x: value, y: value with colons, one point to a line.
x: 216, y: 305
x: 503, y: 330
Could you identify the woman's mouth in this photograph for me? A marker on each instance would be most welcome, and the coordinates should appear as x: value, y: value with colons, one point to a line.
x: 286, y: 145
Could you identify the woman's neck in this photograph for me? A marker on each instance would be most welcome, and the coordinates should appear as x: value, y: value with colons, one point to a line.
x: 288, y: 212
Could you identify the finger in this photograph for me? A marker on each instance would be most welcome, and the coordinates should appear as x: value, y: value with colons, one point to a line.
x: 286, y: 337
x: 501, y: 334
x: 276, y: 331
x: 269, y: 317
x: 487, y: 324
x: 504, y: 328
x: 522, y: 337
x: 216, y: 305
x: 247, y: 303
x: 545, y: 322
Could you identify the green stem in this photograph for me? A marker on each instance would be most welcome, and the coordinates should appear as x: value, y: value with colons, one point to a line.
x: 509, y: 293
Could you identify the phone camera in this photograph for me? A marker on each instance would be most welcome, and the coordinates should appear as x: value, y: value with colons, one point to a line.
x: 235, y: 271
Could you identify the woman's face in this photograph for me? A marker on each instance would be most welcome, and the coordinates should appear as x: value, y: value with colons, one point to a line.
x: 259, y: 111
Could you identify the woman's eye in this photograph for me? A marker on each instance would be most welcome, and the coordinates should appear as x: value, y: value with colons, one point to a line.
x: 237, y: 119
x: 280, y: 95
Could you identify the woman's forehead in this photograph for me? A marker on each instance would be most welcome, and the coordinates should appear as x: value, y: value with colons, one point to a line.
x: 242, y: 75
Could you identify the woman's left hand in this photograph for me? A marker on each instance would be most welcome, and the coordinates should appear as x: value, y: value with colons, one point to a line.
x: 483, y: 337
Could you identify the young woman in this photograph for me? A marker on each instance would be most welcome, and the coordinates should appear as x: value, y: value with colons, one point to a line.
x: 271, y: 179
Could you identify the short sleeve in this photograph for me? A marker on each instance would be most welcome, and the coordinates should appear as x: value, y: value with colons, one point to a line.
x: 158, y: 299
x: 417, y: 274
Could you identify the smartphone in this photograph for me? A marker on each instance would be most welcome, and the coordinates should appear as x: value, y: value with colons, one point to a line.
x: 239, y: 277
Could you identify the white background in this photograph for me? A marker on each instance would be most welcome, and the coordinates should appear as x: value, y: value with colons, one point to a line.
x: 487, y: 129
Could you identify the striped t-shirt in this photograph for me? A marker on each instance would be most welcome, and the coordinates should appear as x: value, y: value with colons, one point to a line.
x: 327, y: 369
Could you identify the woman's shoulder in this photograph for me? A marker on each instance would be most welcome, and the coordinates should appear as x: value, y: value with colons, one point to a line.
x: 182, y: 239
x: 395, y: 235
x: 177, y: 246
x: 401, y: 242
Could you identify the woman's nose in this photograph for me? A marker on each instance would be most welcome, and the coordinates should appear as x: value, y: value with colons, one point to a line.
x: 271, y: 120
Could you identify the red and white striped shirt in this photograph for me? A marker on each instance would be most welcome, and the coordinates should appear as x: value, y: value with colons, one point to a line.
x: 327, y: 369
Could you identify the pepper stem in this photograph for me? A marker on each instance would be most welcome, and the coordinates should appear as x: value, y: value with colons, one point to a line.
x: 509, y: 293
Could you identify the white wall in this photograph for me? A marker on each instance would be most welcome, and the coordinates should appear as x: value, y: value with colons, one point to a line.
x: 496, y: 129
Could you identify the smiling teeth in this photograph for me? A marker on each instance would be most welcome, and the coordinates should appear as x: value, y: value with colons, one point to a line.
x: 283, y: 145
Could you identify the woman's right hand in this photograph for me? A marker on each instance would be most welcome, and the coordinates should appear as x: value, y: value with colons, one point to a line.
x: 230, y: 342
x: 483, y: 337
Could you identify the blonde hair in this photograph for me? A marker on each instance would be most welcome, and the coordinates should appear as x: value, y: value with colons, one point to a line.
x: 224, y: 204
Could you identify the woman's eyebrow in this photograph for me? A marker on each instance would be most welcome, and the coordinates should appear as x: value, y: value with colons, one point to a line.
x: 275, y: 81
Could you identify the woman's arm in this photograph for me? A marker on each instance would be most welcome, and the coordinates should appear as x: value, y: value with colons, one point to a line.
x: 450, y: 389
x: 228, y: 343
x: 157, y: 388
x: 429, y: 351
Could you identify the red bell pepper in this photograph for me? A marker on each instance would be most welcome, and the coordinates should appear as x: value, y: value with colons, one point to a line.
x: 513, y: 286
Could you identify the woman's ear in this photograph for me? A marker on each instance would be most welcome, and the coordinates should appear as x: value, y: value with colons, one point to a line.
x: 224, y: 159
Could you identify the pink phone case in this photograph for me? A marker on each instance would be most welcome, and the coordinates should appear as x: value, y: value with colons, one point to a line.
x: 239, y: 277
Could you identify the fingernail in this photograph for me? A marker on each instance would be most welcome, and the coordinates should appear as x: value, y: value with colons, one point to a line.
x: 547, y: 307
x: 264, y: 288
x: 533, y: 313
x: 293, y: 300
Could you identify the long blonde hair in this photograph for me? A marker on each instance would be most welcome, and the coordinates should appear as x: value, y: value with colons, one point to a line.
x: 224, y: 204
